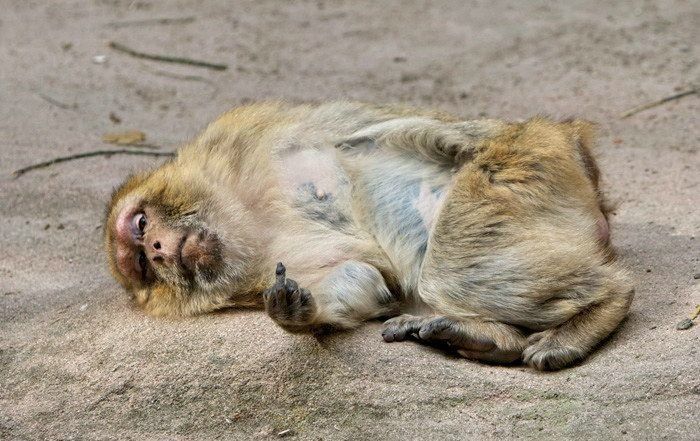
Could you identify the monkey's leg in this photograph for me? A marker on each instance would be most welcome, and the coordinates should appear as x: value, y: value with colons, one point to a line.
x: 558, y: 347
x: 349, y: 294
x: 515, y: 242
x: 438, y: 141
x: 476, y: 339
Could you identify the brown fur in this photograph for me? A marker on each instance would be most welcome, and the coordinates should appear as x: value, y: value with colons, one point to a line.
x: 488, y: 229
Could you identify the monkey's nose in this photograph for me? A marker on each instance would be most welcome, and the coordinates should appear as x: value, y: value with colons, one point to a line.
x: 162, y: 249
x: 157, y: 255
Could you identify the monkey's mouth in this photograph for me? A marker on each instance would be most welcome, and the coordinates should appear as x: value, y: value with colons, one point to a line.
x: 199, y: 250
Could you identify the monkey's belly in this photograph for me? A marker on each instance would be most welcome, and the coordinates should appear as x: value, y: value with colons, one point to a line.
x: 401, y: 206
x: 396, y: 200
x: 402, y: 210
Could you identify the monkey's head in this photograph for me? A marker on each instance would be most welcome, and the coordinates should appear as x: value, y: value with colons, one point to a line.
x: 164, y: 248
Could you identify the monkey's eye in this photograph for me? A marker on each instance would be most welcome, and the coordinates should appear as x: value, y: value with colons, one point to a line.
x: 140, y: 221
x: 143, y: 265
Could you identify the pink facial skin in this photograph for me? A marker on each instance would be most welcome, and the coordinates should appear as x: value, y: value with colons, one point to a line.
x: 155, y: 245
x: 126, y: 244
x: 141, y: 250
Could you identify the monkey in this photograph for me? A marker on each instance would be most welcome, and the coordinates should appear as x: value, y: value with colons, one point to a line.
x: 490, y: 238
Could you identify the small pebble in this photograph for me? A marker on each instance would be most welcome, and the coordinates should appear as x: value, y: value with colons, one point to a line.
x: 99, y: 59
x: 684, y: 324
x: 83, y: 307
x: 114, y: 118
x: 696, y: 276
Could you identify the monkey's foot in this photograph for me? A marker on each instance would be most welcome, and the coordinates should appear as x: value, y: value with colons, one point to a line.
x: 491, y: 342
x: 290, y: 306
x: 486, y: 341
x: 398, y: 328
x: 547, y: 352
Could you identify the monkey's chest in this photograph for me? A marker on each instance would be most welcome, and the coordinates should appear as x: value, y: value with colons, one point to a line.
x: 309, y: 168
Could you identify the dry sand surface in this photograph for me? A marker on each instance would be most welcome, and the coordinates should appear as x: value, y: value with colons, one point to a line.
x: 76, y: 362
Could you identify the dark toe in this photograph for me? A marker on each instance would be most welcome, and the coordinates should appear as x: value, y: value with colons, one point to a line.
x: 394, y: 333
x: 438, y: 329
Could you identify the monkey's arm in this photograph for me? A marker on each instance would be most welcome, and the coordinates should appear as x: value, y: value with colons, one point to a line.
x: 349, y: 294
x: 437, y: 141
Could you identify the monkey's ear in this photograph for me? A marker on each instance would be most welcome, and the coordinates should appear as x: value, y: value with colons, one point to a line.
x: 583, y: 134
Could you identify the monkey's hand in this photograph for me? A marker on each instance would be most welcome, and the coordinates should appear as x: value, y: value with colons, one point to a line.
x: 291, y: 307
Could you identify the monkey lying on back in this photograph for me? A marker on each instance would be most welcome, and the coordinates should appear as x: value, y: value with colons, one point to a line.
x: 496, y: 232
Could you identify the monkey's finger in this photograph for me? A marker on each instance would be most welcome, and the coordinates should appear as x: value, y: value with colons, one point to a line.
x: 438, y: 329
x: 291, y: 286
x: 280, y: 273
x: 398, y: 332
x: 305, y: 296
x: 393, y: 334
x: 294, y: 298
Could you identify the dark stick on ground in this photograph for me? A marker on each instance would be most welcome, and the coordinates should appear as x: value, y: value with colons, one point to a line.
x: 57, y: 103
x: 151, y: 21
x: 164, y: 58
x: 21, y: 171
x: 651, y: 104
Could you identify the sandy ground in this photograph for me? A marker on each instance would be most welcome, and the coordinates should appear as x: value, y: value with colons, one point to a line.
x: 76, y: 362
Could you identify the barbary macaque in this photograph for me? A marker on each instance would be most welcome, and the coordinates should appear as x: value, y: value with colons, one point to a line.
x: 494, y: 235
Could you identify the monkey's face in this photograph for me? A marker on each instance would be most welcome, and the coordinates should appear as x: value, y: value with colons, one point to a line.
x: 149, y: 248
x: 165, y: 249
x: 165, y: 259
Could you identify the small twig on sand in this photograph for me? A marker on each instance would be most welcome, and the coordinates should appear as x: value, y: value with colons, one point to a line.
x: 150, y: 21
x: 657, y: 103
x: 164, y: 58
x: 21, y: 171
x: 57, y: 103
